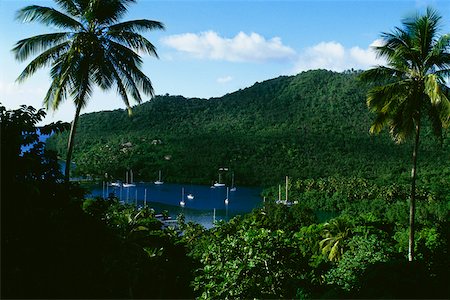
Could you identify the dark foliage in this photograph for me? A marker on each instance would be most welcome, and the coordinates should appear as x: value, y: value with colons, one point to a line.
x: 51, y: 248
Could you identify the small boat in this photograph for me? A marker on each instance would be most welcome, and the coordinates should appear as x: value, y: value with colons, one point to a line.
x: 285, y: 202
x: 115, y: 184
x: 182, y: 203
x: 159, y: 179
x: 219, y: 184
x: 190, y: 196
x: 129, y: 184
x: 226, y: 199
x: 233, y: 188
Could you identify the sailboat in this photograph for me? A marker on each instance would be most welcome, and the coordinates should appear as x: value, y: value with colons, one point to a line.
x: 190, y: 196
x: 129, y: 184
x: 233, y: 188
x: 159, y: 179
x: 219, y: 184
x: 182, y: 203
x: 226, y: 200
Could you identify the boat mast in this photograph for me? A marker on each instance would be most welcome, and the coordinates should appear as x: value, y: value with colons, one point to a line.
x: 279, y: 192
x: 287, y: 181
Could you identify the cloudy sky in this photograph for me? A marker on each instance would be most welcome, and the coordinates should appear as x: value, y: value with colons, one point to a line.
x: 211, y: 48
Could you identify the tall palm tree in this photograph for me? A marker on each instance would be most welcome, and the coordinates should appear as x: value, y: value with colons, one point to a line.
x: 414, y: 87
x: 91, y: 48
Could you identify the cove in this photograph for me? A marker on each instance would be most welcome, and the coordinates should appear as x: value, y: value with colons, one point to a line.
x: 200, y: 209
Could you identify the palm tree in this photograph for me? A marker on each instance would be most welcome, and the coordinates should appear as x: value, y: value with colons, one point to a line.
x: 91, y: 48
x: 336, y: 234
x: 414, y: 87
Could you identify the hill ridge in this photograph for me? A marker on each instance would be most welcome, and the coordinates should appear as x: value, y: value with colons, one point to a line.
x: 314, y: 124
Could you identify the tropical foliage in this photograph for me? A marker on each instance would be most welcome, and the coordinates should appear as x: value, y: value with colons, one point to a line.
x: 55, y: 244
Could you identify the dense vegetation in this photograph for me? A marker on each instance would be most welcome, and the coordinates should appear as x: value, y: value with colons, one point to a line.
x: 312, y: 125
x: 56, y: 244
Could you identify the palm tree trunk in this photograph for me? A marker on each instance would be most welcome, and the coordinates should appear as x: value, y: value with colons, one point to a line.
x: 71, y: 143
x: 412, y: 205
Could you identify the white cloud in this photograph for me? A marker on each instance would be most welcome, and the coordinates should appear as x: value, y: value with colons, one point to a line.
x: 333, y: 56
x: 224, y: 79
x: 241, y: 48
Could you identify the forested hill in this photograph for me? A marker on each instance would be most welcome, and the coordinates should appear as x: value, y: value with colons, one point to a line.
x: 314, y: 124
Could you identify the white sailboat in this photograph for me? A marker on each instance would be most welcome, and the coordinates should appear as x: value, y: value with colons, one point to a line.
x: 159, y: 181
x: 130, y: 183
x: 226, y: 199
x: 182, y: 203
x: 190, y: 196
x: 219, y: 184
x: 233, y: 188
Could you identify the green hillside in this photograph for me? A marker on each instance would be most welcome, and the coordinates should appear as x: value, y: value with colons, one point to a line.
x: 311, y: 125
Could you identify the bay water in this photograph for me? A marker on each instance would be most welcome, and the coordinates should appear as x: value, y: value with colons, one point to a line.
x: 208, y: 203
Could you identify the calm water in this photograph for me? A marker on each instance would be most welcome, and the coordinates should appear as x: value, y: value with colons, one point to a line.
x: 199, y: 210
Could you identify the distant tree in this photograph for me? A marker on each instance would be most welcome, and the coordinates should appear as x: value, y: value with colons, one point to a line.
x: 418, y: 65
x: 92, y: 48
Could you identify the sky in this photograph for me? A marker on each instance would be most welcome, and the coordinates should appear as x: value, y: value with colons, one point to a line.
x: 211, y: 48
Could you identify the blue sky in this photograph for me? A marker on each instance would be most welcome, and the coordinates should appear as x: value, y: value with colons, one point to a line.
x: 211, y: 48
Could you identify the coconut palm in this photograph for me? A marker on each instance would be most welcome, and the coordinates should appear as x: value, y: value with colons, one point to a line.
x: 336, y: 233
x: 414, y: 87
x: 91, y: 49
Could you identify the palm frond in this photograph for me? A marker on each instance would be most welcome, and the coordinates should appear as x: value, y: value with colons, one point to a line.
x: 381, y: 121
x: 43, y: 60
x: 437, y: 56
x: 62, y: 82
x: 423, y: 29
x: 386, y: 97
x: 120, y: 87
x: 143, y: 82
x: 82, y: 82
x: 56, y: 94
x: 47, y: 16
x: 439, y: 103
x: 432, y: 89
x: 70, y: 6
x: 128, y: 55
x: 128, y: 82
x: 403, y: 120
x: 107, y: 11
x: 136, y: 26
x: 33, y: 45
x: 381, y: 73
x: 135, y: 41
